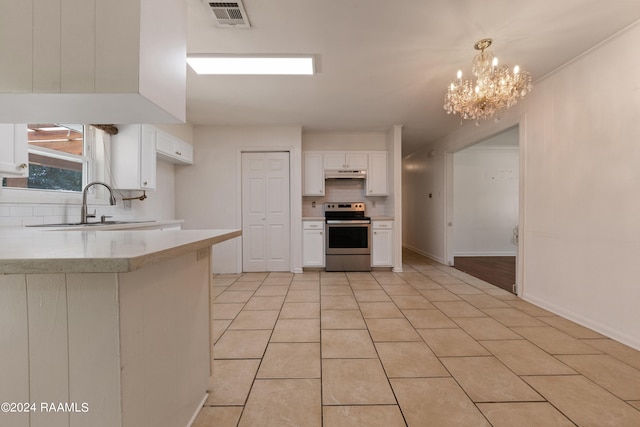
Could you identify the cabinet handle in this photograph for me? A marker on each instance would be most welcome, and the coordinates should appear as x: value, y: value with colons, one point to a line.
x: 144, y: 183
x: 23, y: 165
x: 178, y: 153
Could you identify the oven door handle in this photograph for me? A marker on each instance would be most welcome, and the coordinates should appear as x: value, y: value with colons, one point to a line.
x: 348, y: 222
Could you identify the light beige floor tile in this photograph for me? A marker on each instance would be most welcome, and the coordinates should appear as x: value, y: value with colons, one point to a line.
x: 446, y: 279
x: 428, y: 319
x: 218, y: 327
x: 342, y: 319
x: 486, y: 329
x: 399, y: 289
x: 252, y: 277
x: 307, y: 275
x: 439, y: 295
x: 530, y: 309
x: 571, y: 328
x: 409, y: 359
x: 501, y: 294
x: 221, y: 416
x: 359, y: 276
x: 355, y: 382
x: 300, y: 310
x: 618, y: 350
x: 244, y: 286
x: 634, y: 403
x: 485, y: 379
x: 380, y: 310
x: 412, y: 302
x: 225, y: 311
x: 463, y: 289
x: 296, y: 330
x: 388, y: 278
x: 424, y: 283
x: 364, y: 285
x: 458, y: 309
x: 366, y: 415
x: 215, y: 291
x: 611, y: 374
x: 371, y: 295
x: 512, y: 317
x: 452, y: 342
x: 524, y: 414
x: 436, y: 402
x: 224, y: 279
x: 338, y: 302
x: 304, y: 285
x: 303, y: 296
x: 336, y: 290
x: 347, y: 344
x: 524, y: 358
x: 277, y: 281
x: 554, y: 341
x: 231, y: 381
x: 484, y: 301
x: 385, y: 330
x: 255, y: 320
x: 241, y: 345
x: 283, y: 403
x: 265, y: 303
x: 584, y: 402
x: 333, y: 280
x: 291, y: 360
x: 270, y: 291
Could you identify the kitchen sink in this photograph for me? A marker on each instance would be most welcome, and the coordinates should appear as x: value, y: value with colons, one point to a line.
x: 88, y: 224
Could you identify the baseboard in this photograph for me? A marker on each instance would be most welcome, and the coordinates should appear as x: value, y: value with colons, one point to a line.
x: 631, y: 341
x: 198, y: 409
x: 425, y: 254
x: 484, y: 254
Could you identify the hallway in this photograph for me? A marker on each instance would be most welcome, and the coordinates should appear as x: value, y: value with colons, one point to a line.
x: 430, y: 346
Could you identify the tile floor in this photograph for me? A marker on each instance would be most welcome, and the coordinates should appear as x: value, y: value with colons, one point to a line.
x: 428, y: 347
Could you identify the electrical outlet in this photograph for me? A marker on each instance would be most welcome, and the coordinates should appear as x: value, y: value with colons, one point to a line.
x: 126, y: 205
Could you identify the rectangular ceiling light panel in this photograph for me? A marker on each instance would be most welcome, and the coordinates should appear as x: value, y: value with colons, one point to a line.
x: 247, y: 65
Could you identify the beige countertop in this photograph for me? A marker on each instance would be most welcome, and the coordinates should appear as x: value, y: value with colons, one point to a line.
x: 313, y: 218
x: 33, y: 250
x: 381, y: 218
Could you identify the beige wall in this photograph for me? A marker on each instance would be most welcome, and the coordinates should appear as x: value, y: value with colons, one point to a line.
x: 580, y: 180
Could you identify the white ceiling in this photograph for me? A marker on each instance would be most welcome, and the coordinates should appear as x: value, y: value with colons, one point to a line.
x: 382, y: 63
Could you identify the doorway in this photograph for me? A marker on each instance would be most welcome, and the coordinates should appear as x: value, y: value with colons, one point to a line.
x: 265, y: 212
x: 486, y: 209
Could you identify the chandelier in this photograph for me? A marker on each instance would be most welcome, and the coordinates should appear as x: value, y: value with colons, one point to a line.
x: 496, y: 87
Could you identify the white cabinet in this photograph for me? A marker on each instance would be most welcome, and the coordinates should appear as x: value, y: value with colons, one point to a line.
x: 313, y: 243
x: 355, y: 161
x: 377, y: 174
x: 382, y: 244
x: 172, y: 149
x: 14, y: 155
x: 133, y: 157
x: 313, y: 184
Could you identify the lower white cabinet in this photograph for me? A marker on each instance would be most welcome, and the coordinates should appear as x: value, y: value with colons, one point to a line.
x: 313, y: 243
x: 382, y: 244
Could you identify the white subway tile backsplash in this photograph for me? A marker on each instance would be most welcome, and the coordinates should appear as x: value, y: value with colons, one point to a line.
x: 21, y: 210
x: 344, y: 191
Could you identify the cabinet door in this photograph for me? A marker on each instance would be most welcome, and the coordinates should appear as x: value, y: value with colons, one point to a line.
x: 356, y: 161
x: 334, y: 161
x: 313, y: 175
x: 313, y: 248
x: 148, y: 158
x: 377, y: 175
x: 382, y: 248
x: 14, y: 155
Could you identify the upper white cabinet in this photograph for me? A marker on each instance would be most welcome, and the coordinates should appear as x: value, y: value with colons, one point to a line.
x: 173, y: 149
x: 345, y: 161
x: 313, y: 184
x: 14, y: 156
x: 75, y: 61
x: 133, y: 157
x: 377, y: 174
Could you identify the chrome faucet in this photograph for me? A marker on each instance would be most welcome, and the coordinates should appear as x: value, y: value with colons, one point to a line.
x: 83, y: 213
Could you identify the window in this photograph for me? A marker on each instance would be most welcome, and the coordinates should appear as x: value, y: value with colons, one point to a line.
x: 58, y: 158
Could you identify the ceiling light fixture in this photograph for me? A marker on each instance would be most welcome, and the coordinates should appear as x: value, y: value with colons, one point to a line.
x: 496, y: 87
x: 251, y: 65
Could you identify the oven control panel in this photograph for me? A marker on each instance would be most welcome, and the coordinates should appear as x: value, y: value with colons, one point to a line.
x: 344, y: 207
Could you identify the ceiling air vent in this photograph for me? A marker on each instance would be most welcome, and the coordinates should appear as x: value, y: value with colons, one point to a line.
x: 229, y: 14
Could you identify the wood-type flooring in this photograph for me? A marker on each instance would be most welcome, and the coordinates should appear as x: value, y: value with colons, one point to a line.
x: 497, y: 270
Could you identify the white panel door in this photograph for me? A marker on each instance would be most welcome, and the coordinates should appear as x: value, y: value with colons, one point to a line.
x: 265, y: 212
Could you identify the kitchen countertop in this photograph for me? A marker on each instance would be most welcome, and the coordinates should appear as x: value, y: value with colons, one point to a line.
x: 32, y: 250
x: 381, y: 218
x: 313, y: 218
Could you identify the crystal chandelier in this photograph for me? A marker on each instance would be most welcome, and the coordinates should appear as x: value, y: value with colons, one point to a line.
x: 496, y: 87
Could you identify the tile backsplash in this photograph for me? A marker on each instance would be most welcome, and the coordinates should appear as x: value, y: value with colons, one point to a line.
x: 344, y: 191
x: 20, y: 214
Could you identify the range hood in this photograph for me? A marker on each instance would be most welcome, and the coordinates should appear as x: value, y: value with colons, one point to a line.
x: 345, y: 174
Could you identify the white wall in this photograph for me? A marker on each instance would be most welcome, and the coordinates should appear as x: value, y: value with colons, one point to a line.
x: 580, y: 157
x: 208, y: 193
x: 485, y: 199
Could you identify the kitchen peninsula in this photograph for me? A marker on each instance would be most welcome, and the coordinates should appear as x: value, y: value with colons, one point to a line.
x: 115, y: 324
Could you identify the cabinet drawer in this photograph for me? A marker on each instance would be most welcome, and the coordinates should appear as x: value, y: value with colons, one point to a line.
x: 382, y: 225
x: 313, y: 225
